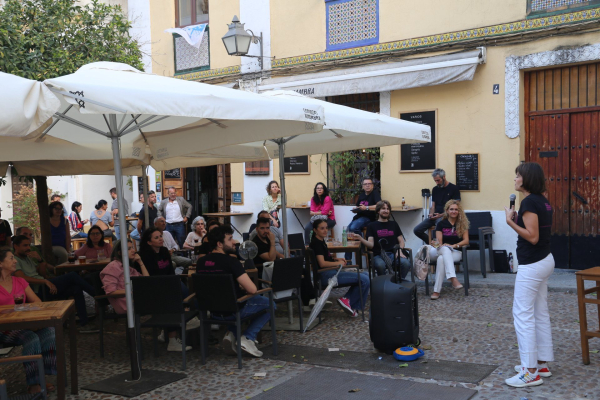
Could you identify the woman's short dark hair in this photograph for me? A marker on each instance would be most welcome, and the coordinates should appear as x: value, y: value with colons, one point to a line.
x: 318, y: 222
x: 100, y: 204
x: 4, y: 252
x: 316, y: 199
x: 89, y: 242
x: 117, y: 254
x: 52, y: 205
x: 534, y: 180
x: 146, y: 236
x: 218, y: 235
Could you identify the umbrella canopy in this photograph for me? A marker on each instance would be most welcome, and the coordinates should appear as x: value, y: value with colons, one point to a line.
x: 331, y: 283
x: 158, y: 118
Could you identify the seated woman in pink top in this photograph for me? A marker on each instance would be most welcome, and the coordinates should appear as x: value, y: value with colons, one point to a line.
x: 41, y: 341
x: 113, y: 275
x: 95, y: 242
x: 321, y: 207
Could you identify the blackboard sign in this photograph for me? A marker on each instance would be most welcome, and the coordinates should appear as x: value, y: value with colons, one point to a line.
x: 467, y: 172
x: 173, y: 173
x: 419, y: 156
x: 296, y: 165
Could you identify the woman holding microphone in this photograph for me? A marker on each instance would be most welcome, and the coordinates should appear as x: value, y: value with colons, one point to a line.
x: 533, y: 224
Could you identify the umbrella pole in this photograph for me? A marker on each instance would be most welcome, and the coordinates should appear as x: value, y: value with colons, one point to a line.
x: 135, y: 365
x: 145, y: 191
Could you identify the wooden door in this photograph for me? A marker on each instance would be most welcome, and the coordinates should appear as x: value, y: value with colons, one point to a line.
x: 224, y: 187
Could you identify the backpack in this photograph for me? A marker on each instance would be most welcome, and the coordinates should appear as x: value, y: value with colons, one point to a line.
x: 421, y: 263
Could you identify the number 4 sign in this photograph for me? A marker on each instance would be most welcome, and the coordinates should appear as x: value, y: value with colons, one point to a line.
x: 496, y: 89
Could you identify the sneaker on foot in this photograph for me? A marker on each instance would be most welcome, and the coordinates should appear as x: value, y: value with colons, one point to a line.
x: 229, y: 344
x: 524, y: 378
x: 543, y: 370
x: 193, y: 323
x: 250, y: 347
x: 176, y: 345
x: 354, y: 314
x: 345, y: 304
x: 161, y: 337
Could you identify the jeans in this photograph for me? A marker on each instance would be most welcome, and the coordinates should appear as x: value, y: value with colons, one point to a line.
x: 178, y: 232
x: 530, y: 312
x: 80, y: 235
x: 309, y: 227
x: 379, y: 264
x: 354, y: 294
x: 252, y: 306
x: 41, y: 342
x: 445, y: 257
x: 68, y: 285
x: 118, y: 231
x: 421, y: 229
x: 356, y: 226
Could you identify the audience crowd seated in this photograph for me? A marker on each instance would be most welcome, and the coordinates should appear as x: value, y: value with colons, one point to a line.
x: 265, y: 241
x: 171, y: 245
x: 95, y: 243
x: 60, y: 231
x: 385, y: 235
x: 220, y: 240
x: 321, y: 207
x: 451, y: 233
x: 41, y: 341
x: 176, y: 211
x: 76, y: 222
x: 440, y: 194
x: 351, y: 301
x: 276, y: 232
x: 272, y: 203
x: 102, y: 218
x: 365, y: 209
x: 114, y: 211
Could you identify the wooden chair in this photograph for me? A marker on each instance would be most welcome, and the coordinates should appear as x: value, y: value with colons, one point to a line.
x: 40, y: 366
x: 591, y: 274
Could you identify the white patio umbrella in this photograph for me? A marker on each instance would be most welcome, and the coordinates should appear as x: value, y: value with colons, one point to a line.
x: 345, y: 129
x: 118, y: 111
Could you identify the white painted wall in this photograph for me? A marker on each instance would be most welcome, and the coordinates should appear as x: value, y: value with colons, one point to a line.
x: 256, y: 16
x: 5, y: 197
x: 139, y: 15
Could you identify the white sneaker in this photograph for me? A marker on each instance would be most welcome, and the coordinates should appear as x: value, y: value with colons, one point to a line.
x: 543, y: 370
x: 249, y: 347
x: 176, y: 345
x: 229, y: 344
x: 161, y: 337
x: 193, y: 323
x: 524, y: 378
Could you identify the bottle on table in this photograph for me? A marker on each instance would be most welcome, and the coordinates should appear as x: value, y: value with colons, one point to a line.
x: 344, y: 237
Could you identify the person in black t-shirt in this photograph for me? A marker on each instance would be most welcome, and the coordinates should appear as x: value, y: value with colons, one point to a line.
x: 387, y: 233
x: 152, y: 213
x: 451, y: 233
x: 440, y: 195
x: 365, y: 210
x: 533, y: 224
x: 265, y: 241
x: 352, y: 300
x: 219, y: 262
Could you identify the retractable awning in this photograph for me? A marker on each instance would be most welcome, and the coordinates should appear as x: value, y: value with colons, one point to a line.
x: 430, y: 71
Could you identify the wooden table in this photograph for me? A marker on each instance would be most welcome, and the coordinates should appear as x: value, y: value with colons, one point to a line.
x: 227, y: 215
x: 97, y: 265
x: 591, y: 274
x: 353, y: 246
x: 53, y: 314
x: 294, y: 208
x: 409, y: 208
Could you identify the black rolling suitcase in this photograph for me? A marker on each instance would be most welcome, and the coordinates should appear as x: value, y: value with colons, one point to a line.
x: 394, y: 320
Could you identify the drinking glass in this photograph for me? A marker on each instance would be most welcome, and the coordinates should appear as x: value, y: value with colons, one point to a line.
x: 72, y: 257
x: 19, y: 303
x: 101, y: 255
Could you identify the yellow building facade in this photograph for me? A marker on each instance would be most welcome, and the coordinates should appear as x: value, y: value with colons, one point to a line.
x: 417, y: 56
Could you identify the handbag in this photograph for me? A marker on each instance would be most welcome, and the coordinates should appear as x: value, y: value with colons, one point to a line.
x: 318, y: 217
x: 421, y: 263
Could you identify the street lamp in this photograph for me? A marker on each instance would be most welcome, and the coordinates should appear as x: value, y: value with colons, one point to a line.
x: 237, y: 40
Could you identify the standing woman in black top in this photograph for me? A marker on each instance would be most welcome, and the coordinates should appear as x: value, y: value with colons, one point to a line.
x: 533, y: 224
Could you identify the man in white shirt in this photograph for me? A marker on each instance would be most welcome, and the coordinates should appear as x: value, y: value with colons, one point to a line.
x: 171, y: 245
x: 176, y: 211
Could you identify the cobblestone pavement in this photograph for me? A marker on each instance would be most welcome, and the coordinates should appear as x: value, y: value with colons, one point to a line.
x: 475, y: 329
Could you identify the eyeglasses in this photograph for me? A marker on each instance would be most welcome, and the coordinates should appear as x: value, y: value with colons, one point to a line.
x: 58, y: 208
x: 95, y: 233
x: 367, y: 184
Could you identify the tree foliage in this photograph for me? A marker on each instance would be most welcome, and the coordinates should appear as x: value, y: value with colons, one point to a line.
x: 42, y: 39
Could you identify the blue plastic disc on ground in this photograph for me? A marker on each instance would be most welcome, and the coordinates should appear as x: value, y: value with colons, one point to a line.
x: 408, y: 353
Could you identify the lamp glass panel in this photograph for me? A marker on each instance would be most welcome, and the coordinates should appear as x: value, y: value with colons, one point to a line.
x: 243, y: 43
x: 230, y: 44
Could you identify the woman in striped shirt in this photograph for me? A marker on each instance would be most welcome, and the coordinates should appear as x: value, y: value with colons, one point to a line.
x: 76, y: 222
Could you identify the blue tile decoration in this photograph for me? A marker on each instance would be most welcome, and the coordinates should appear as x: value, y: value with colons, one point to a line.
x: 546, y: 5
x: 352, y: 23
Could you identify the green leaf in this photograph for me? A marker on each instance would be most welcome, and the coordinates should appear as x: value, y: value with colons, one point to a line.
x: 403, y: 365
x: 594, y: 351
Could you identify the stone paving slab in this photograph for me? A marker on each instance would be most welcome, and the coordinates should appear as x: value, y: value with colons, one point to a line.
x: 475, y: 329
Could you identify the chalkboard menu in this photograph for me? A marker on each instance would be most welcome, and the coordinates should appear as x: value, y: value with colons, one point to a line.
x: 141, y: 184
x: 173, y: 173
x: 467, y: 172
x: 296, y: 165
x: 419, y: 156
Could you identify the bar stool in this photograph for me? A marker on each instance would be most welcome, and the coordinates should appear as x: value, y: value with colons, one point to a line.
x: 592, y: 274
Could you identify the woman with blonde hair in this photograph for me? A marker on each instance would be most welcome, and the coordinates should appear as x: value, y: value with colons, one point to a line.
x: 272, y: 202
x: 451, y: 233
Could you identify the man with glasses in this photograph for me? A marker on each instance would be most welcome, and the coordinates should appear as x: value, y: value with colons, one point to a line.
x: 365, y: 209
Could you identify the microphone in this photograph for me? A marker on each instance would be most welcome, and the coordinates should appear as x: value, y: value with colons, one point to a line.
x: 512, y: 197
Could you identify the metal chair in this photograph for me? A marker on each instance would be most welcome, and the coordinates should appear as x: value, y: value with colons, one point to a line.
x: 480, y: 237
x: 216, y: 293
x: 40, y: 365
x: 161, y: 297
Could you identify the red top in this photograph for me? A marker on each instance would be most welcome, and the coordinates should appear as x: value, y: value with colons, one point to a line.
x: 324, y: 208
x: 18, y: 289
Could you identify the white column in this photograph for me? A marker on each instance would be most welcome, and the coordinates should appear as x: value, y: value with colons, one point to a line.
x: 256, y: 15
x: 139, y: 16
x: 385, y: 103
